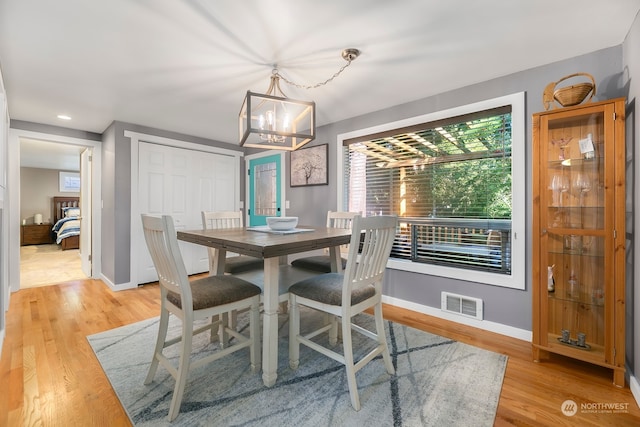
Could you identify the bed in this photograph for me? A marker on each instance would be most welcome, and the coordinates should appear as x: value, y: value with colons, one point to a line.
x: 66, y: 221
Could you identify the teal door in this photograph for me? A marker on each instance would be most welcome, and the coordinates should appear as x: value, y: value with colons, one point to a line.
x: 264, y: 189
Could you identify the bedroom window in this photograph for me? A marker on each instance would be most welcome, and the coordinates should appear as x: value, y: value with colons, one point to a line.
x: 69, y: 182
x: 454, y: 179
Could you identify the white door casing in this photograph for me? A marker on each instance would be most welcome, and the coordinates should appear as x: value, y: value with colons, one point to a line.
x: 85, y: 211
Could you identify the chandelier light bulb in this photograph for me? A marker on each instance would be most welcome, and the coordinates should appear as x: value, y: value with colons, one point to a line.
x: 271, y: 120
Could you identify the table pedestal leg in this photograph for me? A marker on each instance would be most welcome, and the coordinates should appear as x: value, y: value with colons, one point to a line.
x: 270, y: 322
x: 336, y: 267
x: 216, y: 267
x: 336, y: 259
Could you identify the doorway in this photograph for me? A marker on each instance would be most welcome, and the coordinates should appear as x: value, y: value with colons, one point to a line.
x: 16, y: 137
x: 52, y: 174
x: 265, y: 187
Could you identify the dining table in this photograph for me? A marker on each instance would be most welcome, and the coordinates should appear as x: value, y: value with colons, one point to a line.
x: 274, y: 247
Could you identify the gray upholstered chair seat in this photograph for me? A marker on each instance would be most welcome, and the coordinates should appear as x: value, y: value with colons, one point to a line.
x: 213, y: 291
x: 327, y: 289
x: 319, y: 263
x: 241, y: 264
x: 322, y: 263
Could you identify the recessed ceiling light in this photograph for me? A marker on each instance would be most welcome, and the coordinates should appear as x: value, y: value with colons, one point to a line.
x: 63, y: 117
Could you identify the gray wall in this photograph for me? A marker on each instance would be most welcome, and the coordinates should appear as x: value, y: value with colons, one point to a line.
x: 55, y: 130
x: 505, y: 306
x: 37, y: 187
x: 630, y: 80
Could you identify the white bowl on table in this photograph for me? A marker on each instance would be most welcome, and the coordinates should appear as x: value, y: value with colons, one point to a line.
x: 282, y: 223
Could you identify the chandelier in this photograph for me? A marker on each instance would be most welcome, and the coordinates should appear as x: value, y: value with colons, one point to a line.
x: 273, y: 121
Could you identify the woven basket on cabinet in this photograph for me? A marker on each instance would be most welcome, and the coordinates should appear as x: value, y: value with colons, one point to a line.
x: 569, y: 95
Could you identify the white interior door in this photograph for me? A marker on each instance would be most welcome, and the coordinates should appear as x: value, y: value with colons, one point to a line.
x: 214, y: 179
x: 85, y: 211
x: 182, y: 183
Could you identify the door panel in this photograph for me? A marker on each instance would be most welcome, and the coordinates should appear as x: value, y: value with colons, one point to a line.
x: 182, y: 183
x: 264, y: 189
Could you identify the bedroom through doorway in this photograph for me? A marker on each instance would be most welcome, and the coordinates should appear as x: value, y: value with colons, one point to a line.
x: 47, y: 260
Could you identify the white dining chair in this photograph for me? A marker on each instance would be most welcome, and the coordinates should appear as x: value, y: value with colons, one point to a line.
x: 346, y: 294
x: 322, y: 263
x: 233, y: 264
x: 191, y: 301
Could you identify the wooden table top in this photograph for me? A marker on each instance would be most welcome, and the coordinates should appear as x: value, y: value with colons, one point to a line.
x: 266, y: 245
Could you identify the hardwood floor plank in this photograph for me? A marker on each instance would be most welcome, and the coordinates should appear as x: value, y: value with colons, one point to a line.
x: 31, y: 398
x: 47, y: 329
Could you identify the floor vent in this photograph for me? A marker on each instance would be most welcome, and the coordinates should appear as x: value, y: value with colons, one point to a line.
x: 459, y: 304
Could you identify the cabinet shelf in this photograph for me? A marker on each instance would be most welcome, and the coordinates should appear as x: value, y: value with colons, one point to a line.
x: 577, y: 253
x: 561, y: 164
x: 578, y: 234
x: 574, y: 344
x: 578, y: 300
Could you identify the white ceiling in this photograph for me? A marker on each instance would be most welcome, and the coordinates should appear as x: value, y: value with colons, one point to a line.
x: 185, y: 66
x: 45, y: 155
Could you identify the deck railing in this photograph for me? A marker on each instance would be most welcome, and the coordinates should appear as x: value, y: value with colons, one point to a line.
x: 482, y: 244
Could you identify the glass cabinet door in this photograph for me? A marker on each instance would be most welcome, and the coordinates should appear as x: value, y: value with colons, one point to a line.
x: 574, y: 196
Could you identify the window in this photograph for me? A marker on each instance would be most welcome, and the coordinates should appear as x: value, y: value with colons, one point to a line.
x: 69, y: 182
x: 450, y: 177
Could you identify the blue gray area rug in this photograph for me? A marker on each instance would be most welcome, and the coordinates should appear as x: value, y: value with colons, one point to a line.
x: 438, y: 382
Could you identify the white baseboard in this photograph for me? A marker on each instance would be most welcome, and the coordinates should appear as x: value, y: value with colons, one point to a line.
x: 634, y: 385
x: 486, y: 325
x: 120, y: 287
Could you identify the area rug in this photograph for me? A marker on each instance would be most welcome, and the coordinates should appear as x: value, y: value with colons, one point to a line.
x: 438, y: 382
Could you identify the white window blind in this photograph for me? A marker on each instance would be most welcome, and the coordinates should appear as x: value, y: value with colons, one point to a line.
x: 449, y: 181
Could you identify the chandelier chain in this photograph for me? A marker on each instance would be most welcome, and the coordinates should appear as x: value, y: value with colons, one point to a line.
x: 348, y: 54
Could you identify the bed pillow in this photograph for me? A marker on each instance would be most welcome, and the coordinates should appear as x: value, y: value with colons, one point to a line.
x: 71, y: 212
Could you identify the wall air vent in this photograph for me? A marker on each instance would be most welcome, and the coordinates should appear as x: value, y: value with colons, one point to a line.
x: 462, y: 305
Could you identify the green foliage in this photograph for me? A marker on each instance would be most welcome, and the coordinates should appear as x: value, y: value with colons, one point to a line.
x: 464, y: 171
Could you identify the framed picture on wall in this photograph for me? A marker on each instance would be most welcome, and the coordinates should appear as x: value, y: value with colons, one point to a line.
x: 309, y: 166
x: 69, y: 182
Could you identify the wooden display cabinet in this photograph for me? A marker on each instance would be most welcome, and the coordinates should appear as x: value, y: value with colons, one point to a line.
x: 579, y: 234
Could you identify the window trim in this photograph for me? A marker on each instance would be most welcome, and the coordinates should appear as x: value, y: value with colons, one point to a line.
x: 515, y: 280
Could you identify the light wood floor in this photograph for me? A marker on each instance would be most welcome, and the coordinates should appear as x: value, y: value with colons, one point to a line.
x: 49, y: 375
x: 41, y: 265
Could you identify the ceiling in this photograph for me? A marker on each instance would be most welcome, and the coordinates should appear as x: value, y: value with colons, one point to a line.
x: 185, y: 66
x: 45, y: 155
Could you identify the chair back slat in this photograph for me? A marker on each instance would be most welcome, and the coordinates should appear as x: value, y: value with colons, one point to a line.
x: 160, y: 236
x: 373, y: 238
x: 221, y: 219
x: 217, y: 220
x: 341, y: 219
